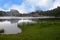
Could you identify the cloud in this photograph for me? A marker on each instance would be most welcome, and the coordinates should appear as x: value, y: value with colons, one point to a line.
x: 55, y: 4
x: 23, y: 8
x: 31, y: 5
x: 1, y: 9
x: 20, y: 8
x: 37, y: 2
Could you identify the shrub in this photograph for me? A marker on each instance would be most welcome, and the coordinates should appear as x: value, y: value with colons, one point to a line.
x: 1, y: 30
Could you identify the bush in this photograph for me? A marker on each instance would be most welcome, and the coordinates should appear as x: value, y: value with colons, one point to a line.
x: 1, y: 30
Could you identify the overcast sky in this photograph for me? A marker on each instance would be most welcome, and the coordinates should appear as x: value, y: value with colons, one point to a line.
x: 25, y: 6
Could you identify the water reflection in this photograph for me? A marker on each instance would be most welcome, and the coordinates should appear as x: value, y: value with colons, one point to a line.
x: 10, y: 26
x: 26, y: 21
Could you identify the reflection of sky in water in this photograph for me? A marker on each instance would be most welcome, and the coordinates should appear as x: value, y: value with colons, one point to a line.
x: 9, y: 28
x: 6, y: 22
x: 26, y: 21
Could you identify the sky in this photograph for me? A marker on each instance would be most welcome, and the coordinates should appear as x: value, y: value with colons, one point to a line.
x: 26, y: 6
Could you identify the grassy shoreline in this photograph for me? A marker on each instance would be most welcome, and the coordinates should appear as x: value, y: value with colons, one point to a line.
x: 49, y: 30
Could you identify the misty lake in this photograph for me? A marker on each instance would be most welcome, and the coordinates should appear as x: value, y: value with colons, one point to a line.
x: 10, y: 26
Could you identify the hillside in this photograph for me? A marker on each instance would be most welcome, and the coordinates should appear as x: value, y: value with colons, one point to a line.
x: 55, y: 12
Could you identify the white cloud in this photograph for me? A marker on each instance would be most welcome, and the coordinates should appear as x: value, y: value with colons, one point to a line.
x: 55, y: 5
x: 23, y: 8
x: 20, y: 8
x: 30, y: 5
x: 43, y: 2
x: 1, y: 9
x: 36, y: 2
x: 33, y: 3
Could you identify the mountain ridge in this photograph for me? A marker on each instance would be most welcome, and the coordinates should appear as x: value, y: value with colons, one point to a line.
x: 55, y: 12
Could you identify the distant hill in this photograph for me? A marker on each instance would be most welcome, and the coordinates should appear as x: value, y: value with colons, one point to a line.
x: 13, y: 13
x: 2, y: 13
x: 9, y: 13
x: 55, y: 12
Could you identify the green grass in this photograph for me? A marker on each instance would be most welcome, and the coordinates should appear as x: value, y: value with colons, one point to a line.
x: 49, y: 30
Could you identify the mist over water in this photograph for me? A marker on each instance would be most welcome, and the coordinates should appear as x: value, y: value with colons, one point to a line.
x: 11, y: 26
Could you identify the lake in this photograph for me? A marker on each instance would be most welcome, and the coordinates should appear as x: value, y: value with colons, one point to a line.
x: 10, y: 26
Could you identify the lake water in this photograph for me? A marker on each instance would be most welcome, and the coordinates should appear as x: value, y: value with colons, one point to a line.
x: 10, y: 26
